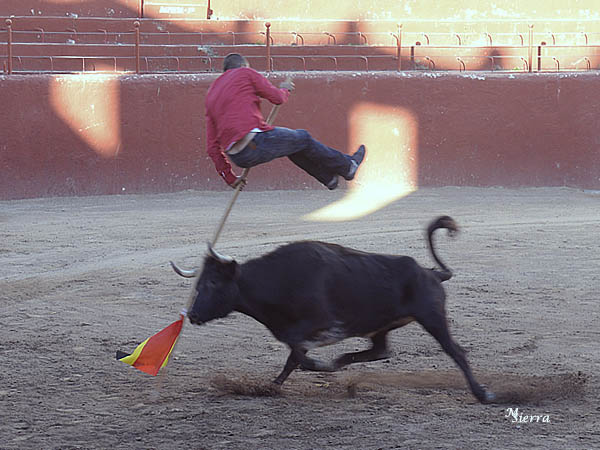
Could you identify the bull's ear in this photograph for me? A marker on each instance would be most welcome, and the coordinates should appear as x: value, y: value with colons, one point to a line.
x: 230, y: 269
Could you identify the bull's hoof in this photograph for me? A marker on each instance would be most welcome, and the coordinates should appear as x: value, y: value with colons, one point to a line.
x: 485, y: 397
x: 489, y: 397
x: 318, y: 366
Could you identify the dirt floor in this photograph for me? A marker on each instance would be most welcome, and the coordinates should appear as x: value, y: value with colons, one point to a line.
x: 84, y: 277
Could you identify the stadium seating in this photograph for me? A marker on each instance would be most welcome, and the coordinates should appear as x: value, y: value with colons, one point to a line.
x: 72, y: 43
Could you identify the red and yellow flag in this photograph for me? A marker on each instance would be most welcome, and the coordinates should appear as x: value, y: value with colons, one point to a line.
x: 152, y: 354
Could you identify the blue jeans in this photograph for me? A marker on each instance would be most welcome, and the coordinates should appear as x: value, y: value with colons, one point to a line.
x: 316, y: 159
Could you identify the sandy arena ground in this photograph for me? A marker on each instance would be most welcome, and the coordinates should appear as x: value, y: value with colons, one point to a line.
x: 83, y: 277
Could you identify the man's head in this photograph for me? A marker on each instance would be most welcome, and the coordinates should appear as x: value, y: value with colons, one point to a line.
x: 233, y: 61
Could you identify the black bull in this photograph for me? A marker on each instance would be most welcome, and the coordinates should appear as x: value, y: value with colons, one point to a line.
x: 311, y: 294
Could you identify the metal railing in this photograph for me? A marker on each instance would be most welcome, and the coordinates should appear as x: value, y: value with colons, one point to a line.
x: 280, y: 50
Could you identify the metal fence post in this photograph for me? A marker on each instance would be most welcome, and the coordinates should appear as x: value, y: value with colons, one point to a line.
x: 9, y: 45
x: 530, y: 48
x: 399, y: 45
x: 268, y: 38
x: 209, y: 12
x: 136, y: 25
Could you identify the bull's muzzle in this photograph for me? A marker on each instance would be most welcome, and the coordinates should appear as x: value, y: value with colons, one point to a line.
x: 194, y: 319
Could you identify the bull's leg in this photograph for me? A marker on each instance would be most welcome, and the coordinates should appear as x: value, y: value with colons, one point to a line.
x: 437, y: 326
x: 378, y: 351
x: 308, y: 363
x: 290, y: 365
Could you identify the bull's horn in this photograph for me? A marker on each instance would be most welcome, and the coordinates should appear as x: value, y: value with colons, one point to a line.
x: 182, y: 272
x: 221, y: 258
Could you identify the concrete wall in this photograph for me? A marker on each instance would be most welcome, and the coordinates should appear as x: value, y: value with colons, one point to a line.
x: 106, y: 134
x: 319, y: 9
x: 70, y: 8
x: 408, y: 9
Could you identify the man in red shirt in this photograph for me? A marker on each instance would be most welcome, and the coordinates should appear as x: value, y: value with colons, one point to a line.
x: 235, y: 126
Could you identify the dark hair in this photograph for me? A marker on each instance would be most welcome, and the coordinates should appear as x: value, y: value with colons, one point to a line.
x: 233, y: 61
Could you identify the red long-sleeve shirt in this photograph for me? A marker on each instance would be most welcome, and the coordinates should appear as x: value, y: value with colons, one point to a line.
x: 233, y: 110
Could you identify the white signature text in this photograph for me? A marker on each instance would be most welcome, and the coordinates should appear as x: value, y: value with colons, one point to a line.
x: 517, y: 417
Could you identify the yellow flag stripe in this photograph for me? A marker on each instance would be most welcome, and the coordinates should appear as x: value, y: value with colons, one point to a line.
x: 130, y: 359
x: 167, y: 358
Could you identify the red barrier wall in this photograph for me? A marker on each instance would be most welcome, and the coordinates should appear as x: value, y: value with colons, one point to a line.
x: 106, y: 134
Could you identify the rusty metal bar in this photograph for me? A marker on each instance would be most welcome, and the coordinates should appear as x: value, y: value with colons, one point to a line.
x: 73, y: 31
x: 431, y: 63
x: 586, y: 37
x: 136, y: 25
x: 335, y: 62
x: 526, y: 66
x: 398, y: 59
x: 362, y: 36
x: 268, y: 45
x: 301, y: 58
x: 271, y: 40
x: 366, y: 62
x: 296, y: 36
x: 530, y: 48
x: 9, y: 44
x: 105, y: 35
x: 462, y: 67
x: 399, y: 47
x: 41, y: 30
x: 557, y: 62
x: 209, y: 11
x: 426, y: 38
x: 589, y: 63
x: 458, y: 37
x: 330, y: 37
x: 489, y: 36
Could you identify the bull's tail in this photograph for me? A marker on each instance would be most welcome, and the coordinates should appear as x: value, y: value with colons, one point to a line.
x: 441, y: 222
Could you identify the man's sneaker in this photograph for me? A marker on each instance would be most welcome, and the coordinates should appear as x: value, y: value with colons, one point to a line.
x: 356, y: 160
x: 333, y: 184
